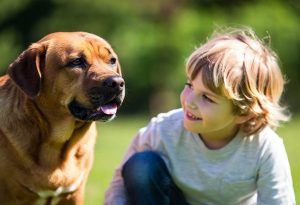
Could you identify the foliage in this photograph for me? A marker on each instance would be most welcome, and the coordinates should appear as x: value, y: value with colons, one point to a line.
x: 153, y: 38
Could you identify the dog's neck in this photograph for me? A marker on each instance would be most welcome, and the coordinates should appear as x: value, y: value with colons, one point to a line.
x: 62, y: 139
x: 62, y: 143
x: 48, y: 133
x: 51, y: 149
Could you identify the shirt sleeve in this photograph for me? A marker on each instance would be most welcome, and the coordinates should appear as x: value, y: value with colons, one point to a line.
x: 116, y: 193
x: 274, y: 185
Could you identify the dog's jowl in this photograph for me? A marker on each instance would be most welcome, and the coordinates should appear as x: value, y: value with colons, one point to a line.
x: 49, y: 101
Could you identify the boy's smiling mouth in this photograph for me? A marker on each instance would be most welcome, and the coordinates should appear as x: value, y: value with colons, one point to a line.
x: 192, y: 117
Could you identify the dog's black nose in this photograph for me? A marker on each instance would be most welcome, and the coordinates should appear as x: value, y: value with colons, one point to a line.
x: 115, y: 82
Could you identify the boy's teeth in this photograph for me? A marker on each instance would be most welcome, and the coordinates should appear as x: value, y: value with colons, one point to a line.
x: 192, y: 116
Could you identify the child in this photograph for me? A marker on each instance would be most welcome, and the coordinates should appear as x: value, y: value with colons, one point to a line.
x: 220, y: 147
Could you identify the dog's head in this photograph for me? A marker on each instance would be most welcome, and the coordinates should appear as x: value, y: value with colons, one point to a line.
x: 75, y: 72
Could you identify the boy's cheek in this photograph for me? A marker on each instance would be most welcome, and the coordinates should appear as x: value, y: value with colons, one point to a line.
x: 183, y: 97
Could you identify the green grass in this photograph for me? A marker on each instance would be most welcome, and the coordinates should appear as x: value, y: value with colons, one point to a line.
x: 290, y: 134
x: 114, y: 138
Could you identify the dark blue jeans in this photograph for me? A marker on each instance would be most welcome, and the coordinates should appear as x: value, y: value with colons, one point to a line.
x: 148, y: 181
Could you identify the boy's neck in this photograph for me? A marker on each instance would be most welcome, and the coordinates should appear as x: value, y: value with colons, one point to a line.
x: 215, y: 143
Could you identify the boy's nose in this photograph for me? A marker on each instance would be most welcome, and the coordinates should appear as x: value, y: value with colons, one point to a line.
x: 191, y: 105
x: 189, y: 100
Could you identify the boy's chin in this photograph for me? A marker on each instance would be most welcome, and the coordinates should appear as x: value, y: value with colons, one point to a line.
x: 189, y: 127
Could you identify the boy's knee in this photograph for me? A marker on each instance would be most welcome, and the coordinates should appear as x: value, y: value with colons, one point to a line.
x: 141, y: 167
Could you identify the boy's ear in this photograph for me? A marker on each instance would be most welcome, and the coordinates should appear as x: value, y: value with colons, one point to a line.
x: 240, y: 119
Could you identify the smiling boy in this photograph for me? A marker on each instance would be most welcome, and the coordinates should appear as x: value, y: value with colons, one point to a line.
x: 220, y: 148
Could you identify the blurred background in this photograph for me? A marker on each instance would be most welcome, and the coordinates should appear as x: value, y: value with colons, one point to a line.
x: 153, y: 38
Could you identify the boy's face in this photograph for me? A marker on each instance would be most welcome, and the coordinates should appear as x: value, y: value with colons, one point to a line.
x: 207, y: 113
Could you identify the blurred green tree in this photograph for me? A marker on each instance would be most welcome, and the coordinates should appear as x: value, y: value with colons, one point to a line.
x: 153, y: 38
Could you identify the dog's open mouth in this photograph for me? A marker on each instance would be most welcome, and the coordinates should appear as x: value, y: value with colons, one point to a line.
x: 104, y: 112
x: 109, y: 109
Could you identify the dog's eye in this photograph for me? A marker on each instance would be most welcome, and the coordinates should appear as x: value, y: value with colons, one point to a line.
x: 77, y: 62
x: 112, y: 61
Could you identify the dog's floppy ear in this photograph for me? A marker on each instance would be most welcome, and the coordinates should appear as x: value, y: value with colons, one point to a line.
x: 25, y: 70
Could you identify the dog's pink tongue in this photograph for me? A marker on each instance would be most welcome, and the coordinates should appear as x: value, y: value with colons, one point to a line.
x: 109, y: 109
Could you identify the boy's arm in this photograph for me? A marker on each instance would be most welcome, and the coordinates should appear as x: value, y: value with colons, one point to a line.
x: 116, y: 193
x: 275, y: 186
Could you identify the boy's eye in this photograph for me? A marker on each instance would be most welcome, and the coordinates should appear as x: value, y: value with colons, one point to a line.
x: 208, y: 99
x: 188, y: 84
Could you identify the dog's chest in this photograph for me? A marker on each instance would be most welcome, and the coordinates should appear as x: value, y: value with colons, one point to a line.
x: 52, y: 197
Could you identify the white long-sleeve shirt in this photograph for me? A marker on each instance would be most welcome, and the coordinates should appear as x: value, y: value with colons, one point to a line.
x: 248, y: 170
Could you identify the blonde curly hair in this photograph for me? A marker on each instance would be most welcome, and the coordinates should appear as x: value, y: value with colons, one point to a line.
x: 237, y: 64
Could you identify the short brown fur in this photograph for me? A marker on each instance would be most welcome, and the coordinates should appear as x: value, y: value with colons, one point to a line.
x: 43, y: 145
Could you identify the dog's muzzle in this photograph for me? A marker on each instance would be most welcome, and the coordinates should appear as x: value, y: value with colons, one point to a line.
x: 105, y: 99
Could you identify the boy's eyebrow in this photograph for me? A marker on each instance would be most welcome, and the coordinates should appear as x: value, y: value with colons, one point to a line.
x: 209, y: 93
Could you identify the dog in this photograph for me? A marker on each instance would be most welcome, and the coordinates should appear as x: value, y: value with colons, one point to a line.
x: 50, y: 100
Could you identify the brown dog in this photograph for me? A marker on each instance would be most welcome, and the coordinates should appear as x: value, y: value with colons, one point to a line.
x: 49, y: 101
